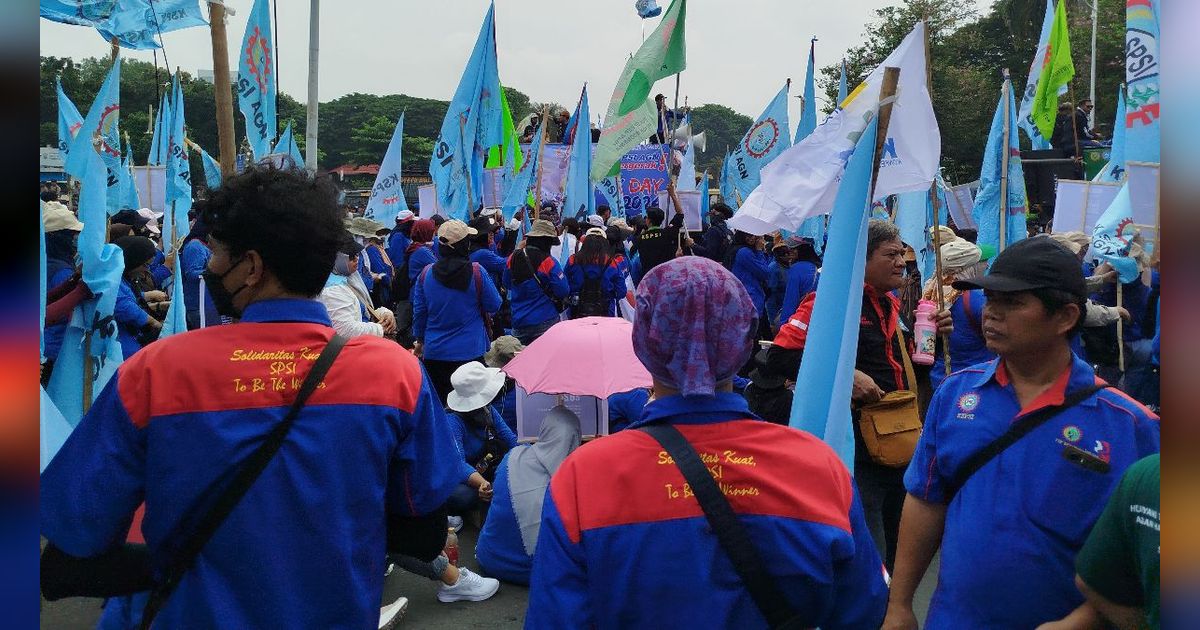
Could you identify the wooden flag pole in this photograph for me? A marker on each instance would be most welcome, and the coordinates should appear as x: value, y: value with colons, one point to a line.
x: 934, y: 202
x: 222, y: 91
x: 1004, y: 164
x: 887, y: 93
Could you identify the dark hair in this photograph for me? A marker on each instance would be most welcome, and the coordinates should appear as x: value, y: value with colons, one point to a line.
x: 571, y: 225
x: 438, y: 220
x: 290, y: 219
x: 594, y: 251
x: 722, y: 209
x: 602, y: 208
x: 49, y: 194
x: 880, y: 232
x: 615, y: 239
x: 968, y: 234
x: 655, y: 216
x: 1053, y: 300
x: 806, y: 252
x: 349, y: 246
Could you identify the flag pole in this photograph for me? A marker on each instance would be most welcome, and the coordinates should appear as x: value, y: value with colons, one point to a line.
x: 1004, y: 163
x: 1120, y: 329
x: 537, y: 193
x: 311, y: 127
x: 934, y: 202
x: 462, y: 141
x: 222, y: 92
x: 887, y: 93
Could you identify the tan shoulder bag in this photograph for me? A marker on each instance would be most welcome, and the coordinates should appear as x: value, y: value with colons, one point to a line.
x: 892, y: 426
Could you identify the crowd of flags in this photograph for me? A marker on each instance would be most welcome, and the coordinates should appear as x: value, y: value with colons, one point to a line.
x: 820, y: 183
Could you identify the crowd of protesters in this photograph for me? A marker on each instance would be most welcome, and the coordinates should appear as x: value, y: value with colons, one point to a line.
x: 412, y: 433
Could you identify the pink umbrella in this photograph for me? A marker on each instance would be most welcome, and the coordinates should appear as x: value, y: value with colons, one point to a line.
x: 590, y: 356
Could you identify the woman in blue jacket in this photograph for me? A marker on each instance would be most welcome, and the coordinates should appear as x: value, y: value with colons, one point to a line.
x: 132, y: 320
x: 450, y: 300
x: 479, y: 432
x: 510, y: 532
x: 594, y: 277
x: 750, y: 264
x: 193, y: 260
x: 530, y: 278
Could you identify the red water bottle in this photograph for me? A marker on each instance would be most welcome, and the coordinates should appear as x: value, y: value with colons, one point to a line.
x: 451, y: 549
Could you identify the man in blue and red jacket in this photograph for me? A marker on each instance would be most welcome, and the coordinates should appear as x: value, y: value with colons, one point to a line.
x: 306, y: 545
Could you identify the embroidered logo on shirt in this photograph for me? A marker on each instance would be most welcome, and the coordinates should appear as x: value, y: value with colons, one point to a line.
x: 966, y: 405
x: 1103, y: 450
x: 1072, y: 433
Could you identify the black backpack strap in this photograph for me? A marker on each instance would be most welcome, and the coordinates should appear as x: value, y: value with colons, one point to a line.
x: 248, y: 471
x: 1018, y: 430
x: 730, y: 533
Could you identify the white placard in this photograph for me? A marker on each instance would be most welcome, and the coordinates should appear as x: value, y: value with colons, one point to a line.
x: 690, y: 200
x: 960, y: 201
x: 493, y: 187
x: 1144, y: 196
x: 151, y: 182
x: 427, y: 199
x: 1078, y: 204
x: 532, y: 409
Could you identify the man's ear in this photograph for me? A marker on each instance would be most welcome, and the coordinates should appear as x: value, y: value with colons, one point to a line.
x: 1066, y: 318
x: 256, y: 274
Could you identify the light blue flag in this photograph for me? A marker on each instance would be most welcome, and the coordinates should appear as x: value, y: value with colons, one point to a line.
x: 286, y: 144
x: 808, y: 113
x: 69, y: 121
x: 826, y: 371
x: 1114, y: 171
x: 160, y: 16
x: 814, y: 228
x: 579, y: 197
x: 102, y: 264
x: 987, y: 209
x: 610, y: 187
x: 256, y: 80
x: 94, y: 13
x: 53, y: 429
x: 705, y: 199
x: 1040, y: 58
x: 912, y: 218
x: 472, y: 125
x: 842, y: 85
x: 687, y: 166
x: 212, y: 170
x: 132, y: 198
x: 767, y: 138
x: 387, y: 195
x: 523, y: 180
x: 728, y: 192
x: 101, y: 135
x: 1113, y: 236
x: 178, y: 173
x: 158, y: 143
x: 1142, y: 138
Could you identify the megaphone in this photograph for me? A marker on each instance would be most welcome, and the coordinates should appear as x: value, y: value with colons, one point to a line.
x: 699, y: 141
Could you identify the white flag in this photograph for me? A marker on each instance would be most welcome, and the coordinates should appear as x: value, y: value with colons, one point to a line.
x: 803, y: 181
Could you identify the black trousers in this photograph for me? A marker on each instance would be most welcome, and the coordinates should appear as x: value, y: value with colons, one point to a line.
x: 439, y: 374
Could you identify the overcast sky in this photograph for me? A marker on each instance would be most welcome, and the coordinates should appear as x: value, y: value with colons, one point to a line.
x: 739, y: 52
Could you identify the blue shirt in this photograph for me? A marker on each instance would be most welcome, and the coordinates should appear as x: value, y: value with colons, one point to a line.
x: 1014, y: 529
x: 507, y: 408
x: 492, y: 262
x: 967, y: 346
x: 776, y: 287
x: 450, y: 322
x: 530, y: 306
x: 55, y: 332
x: 801, y: 280
x: 625, y: 408
x: 397, y: 244
x: 417, y: 261
x: 130, y: 319
x: 193, y: 259
x: 750, y: 266
x: 182, y: 411
x: 612, y: 283
x: 621, y: 545
x: 471, y: 441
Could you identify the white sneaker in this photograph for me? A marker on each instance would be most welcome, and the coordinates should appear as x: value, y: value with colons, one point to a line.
x: 456, y: 522
x: 391, y: 614
x: 391, y: 566
x: 470, y: 587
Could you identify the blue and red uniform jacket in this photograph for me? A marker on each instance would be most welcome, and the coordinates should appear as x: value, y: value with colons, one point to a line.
x: 624, y: 544
x: 1012, y: 532
x: 612, y: 281
x: 530, y: 306
x: 305, y: 545
x: 450, y: 322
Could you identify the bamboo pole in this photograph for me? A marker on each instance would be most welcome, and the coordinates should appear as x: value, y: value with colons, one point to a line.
x: 934, y: 202
x: 1004, y: 163
x: 222, y: 93
x: 891, y: 78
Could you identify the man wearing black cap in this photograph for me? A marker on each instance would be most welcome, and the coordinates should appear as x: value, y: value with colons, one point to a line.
x: 1010, y: 513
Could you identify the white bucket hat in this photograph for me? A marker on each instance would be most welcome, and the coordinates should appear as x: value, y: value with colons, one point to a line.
x: 475, y: 385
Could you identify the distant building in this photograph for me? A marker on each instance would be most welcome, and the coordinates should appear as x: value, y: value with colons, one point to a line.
x: 207, y: 74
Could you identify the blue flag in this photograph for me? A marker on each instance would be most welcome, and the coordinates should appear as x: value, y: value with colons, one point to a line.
x: 813, y: 228
x: 69, y: 121
x: 523, y: 180
x: 766, y: 139
x: 610, y: 189
x: 842, y: 85
x: 1114, y: 170
x: 178, y: 173
x: 286, y: 144
x: 1142, y: 136
x: 158, y: 143
x: 94, y: 13
x: 158, y: 16
x: 256, y: 80
x: 988, y: 206
x: 132, y: 199
x: 728, y: 192
x: 1113, y: 236
x: 212, y: 169
x: 687, y: 167
x: 826, y: 371
x: 705, y: 199
x: 102, y: 264
x: 578, y: 194
x: 808, y: 114
x: 472, y: 125
x: 387, y: 195
x: 101, y: 135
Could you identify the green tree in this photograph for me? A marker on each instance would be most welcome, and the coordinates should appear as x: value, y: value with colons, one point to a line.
x: 723, y: 128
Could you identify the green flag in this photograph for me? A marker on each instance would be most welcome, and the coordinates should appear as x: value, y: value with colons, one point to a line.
x: 631, y: 117
x: 1058, y: 71
x: 661, y: 55
x: 509, y: 133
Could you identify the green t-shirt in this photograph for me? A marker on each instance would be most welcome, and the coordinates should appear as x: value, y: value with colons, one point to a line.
x: 1121, y: 556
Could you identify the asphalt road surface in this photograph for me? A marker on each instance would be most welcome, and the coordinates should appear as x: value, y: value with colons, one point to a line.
x: 506, y: 609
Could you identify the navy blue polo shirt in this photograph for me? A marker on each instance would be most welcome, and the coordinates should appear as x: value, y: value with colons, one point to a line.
x: 1014, y: 529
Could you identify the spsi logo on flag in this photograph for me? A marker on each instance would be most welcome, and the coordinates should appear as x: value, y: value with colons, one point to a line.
x: 762, y: 138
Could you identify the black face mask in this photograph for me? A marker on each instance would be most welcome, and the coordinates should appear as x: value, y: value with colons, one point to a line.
x: 222, y: 298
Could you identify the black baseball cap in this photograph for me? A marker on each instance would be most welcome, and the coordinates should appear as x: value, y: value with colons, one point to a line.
x: 1033, y: 263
